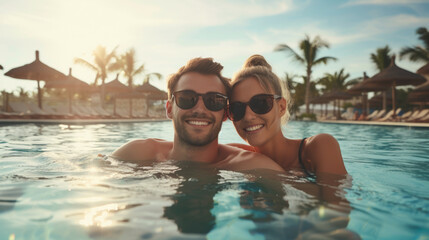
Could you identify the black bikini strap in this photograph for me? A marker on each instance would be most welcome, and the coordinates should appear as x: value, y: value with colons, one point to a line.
x: 300, y: 150
x: 301, y: 145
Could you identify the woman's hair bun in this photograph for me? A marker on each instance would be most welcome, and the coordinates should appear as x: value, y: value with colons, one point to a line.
x: 256, y: 60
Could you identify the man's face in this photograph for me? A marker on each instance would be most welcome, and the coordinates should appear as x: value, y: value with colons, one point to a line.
x: 197, y: 126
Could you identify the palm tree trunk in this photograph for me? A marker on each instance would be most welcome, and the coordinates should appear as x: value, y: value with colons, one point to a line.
x: 102, y: 93
x: 307, y: 91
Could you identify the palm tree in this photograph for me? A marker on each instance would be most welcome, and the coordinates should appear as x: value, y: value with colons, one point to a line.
x: 336, y: 81
x: 102, y: 66
x: 418, y: 53
x: 128, y: 65
x: 22, y: 93
x: 310, y: 49
x: 149, y: 76
x: 381, y: 58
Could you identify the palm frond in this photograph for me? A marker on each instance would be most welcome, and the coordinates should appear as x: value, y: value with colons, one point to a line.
x: 149, y: 76
x: 285, y: 48
x: 324, y: 60
x: 85, y: 63
x: 139, y: 70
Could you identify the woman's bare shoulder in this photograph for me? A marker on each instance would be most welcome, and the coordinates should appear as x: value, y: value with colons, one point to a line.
x: 242, y: 146
x: 324, y: 152
x: 320, y: 140
x: 239, y: 159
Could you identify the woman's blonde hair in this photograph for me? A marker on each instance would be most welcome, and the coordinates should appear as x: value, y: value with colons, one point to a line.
x: 257, y: 67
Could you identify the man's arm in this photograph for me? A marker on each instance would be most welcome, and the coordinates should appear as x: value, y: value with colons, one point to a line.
x: 137, y: 151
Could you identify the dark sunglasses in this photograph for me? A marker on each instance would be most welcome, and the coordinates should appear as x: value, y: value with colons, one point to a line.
x: 260, y: 104
x: 213, y: 101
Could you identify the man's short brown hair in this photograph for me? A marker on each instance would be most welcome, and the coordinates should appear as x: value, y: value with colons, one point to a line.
x: 204, y: 66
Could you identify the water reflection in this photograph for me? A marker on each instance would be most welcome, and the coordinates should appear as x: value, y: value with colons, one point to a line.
x: 231, y: 205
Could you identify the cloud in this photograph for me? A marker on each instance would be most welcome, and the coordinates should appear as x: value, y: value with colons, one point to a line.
x: 383, y: 2
x: 390, y: 24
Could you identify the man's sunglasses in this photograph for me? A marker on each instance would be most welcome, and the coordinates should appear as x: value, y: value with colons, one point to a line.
x: 213, y: 101
x: 260, y: 104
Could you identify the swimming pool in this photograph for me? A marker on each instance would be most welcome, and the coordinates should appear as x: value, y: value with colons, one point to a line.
x: 53, y: 186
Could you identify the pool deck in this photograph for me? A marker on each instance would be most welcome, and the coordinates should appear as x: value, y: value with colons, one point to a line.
x: 391, y: 124
x: 79, y: 121
x: 140, y: 120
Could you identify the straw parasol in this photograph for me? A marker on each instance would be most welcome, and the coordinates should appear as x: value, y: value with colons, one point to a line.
x: 116, y: 87
x: 36, y: 71
x: 364, y: 87
x: 340, y: 95
x: 151, y: 92
x: 148, y: 88
x: 72, y: 84
x: 424, y: 70
x: 379, y: 99
x: 419, y: 94
x: 396, y: 76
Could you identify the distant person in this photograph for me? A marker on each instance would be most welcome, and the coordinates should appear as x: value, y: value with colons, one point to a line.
x: 355, y: 115
x: 257, y: 105
x: 197, y: 105
x: 362, y: 117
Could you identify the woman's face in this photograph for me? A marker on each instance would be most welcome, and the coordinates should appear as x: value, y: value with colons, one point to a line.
x: 257, y: 129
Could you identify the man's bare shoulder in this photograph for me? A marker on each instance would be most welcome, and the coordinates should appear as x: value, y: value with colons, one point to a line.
x: 139, y: 150
x: 240, y: 160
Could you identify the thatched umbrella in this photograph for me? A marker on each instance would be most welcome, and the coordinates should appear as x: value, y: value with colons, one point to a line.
x: 424, y: 70
x: 116, y: 87
x: 381, y: 99
x: 36, y: 71
x: 151, y: 92
x: 320, y: 100
x: 396, y: 76
x: 340, y: 95
x: 148, y: 88
x: 420, y: 94
x: 72, y: 85
x: 364, y: 87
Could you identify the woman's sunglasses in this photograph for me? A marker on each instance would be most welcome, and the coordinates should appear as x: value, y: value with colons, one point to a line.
x: 213, y: 101
x: 260, y: 104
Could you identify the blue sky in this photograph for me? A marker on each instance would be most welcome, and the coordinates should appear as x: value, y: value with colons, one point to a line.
x: 165, y: 34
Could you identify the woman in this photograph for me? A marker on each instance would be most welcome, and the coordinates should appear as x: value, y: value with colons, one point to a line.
x: 257, y: 105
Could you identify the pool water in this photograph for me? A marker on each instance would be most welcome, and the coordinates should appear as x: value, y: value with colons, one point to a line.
x: 54, y: 186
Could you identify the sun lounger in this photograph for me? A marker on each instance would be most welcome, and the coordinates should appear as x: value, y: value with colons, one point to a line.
x: 421, y: 114
x: 122, y: 113
x: 424, y: 119
x: 389, y: 116
x: 370, y: 116
x: 413, y: 115
x: 405, y: 115
x: 19, y: 107
x: 82, y: 112
x: 100, y: 111
x: 379, y: 115
x: 46, y: 112
x: 8, y: 115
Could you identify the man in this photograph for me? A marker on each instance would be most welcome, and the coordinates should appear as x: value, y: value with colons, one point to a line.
x: 197, y: 105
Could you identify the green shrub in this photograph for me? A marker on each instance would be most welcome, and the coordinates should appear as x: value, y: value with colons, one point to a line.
x: 306, y: 116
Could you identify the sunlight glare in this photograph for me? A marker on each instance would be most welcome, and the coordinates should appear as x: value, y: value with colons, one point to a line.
x: 99, y: 216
